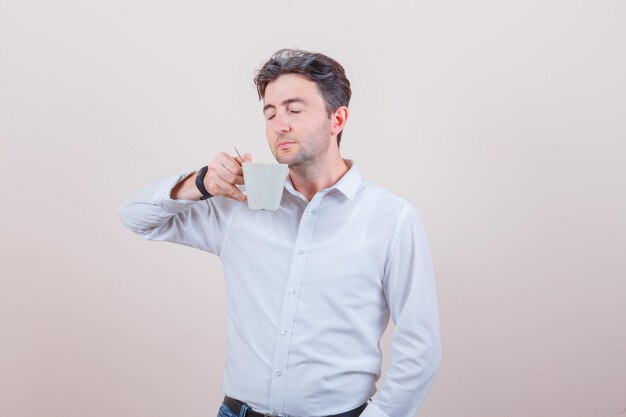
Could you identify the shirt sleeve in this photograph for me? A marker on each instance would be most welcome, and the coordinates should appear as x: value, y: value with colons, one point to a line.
x: 409, y: 288
x: 152, y: 214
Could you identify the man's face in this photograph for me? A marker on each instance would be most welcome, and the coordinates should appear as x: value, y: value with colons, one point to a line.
x: 297, y: 125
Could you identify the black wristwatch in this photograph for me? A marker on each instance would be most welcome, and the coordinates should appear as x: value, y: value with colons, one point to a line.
x: 200, y: 183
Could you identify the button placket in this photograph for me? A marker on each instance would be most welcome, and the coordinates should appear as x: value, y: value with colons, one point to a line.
x: 288, y: 312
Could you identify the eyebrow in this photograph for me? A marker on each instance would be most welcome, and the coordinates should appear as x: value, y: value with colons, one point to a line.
x: 284, y: 103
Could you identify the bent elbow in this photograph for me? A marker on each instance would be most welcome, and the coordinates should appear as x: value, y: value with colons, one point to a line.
x: 129, y: 219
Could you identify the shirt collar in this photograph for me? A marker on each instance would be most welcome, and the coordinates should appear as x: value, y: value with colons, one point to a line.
x: 348, y: 185
x: 351, y: 181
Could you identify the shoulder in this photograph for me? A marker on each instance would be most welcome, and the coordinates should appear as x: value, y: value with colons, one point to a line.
x: 383, y: 200
x: 391, y: 211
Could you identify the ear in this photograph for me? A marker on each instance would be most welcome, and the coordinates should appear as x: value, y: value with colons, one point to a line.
x: 338, y: 120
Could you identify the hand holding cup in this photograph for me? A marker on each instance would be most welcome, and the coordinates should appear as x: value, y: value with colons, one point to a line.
x: 224, y: 174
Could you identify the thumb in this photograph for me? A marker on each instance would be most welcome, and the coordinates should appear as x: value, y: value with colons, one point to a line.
x: 247, y: 157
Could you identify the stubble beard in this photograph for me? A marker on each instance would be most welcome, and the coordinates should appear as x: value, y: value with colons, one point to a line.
x: 298, y: 159
x: 306, y: 157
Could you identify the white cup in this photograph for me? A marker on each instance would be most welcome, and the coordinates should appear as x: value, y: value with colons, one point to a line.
x: 264, y: 185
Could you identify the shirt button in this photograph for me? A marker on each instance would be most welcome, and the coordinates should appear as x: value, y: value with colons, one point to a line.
x: 301, y: 251
x: 309, y: 212
x: 279, y: 374
x: 292, y: 292
x: 284, y: 332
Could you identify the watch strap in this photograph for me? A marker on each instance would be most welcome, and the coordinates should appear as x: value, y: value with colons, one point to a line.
x: 200, y: 183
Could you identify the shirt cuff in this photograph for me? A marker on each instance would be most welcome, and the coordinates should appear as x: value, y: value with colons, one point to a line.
x: 163, y: 194
x: 372, y: 411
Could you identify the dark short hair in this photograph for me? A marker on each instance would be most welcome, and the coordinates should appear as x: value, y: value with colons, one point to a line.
x: 327, y: 73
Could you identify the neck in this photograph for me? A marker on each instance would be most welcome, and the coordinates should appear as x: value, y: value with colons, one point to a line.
x: 309, y: 179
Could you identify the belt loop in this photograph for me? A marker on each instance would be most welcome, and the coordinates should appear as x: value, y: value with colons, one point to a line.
x: 244, y: 410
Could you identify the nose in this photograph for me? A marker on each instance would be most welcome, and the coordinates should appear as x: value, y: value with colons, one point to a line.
x: 281, y: 124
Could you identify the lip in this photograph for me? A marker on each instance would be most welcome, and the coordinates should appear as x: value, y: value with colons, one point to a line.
x: 284, y: 144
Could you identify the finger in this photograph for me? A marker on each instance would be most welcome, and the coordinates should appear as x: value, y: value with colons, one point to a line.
x: 230, y: 191
x: 226, y: 168
x: 229, y: 177
x: 215, y: 182
x: 246, y: 157
x: 230, y: 163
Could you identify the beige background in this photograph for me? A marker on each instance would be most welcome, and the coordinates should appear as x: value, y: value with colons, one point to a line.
x: 503, y: 122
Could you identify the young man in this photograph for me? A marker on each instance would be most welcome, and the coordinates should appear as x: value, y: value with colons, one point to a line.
x: 310, y: 287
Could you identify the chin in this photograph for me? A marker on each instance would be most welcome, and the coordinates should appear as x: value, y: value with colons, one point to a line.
x: 288, y: 161
x: 282, y: 158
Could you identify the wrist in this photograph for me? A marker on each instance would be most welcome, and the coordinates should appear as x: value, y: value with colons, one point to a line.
x: 199, y: 181
x: 186, y: 189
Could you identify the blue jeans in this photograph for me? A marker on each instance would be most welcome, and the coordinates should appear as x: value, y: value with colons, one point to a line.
x: 227, y: 412
x: 224, y: 411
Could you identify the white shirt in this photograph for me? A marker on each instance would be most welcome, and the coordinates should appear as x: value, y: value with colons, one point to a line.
x: 310, y: 289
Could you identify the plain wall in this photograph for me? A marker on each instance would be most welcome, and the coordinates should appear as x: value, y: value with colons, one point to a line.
x: 504, y: 123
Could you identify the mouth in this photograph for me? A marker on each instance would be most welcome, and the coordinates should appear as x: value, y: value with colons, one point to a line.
x: 284, y: 144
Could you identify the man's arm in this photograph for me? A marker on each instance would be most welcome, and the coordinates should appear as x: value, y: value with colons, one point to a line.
x: 170, y: 209
x: 409, y: 287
